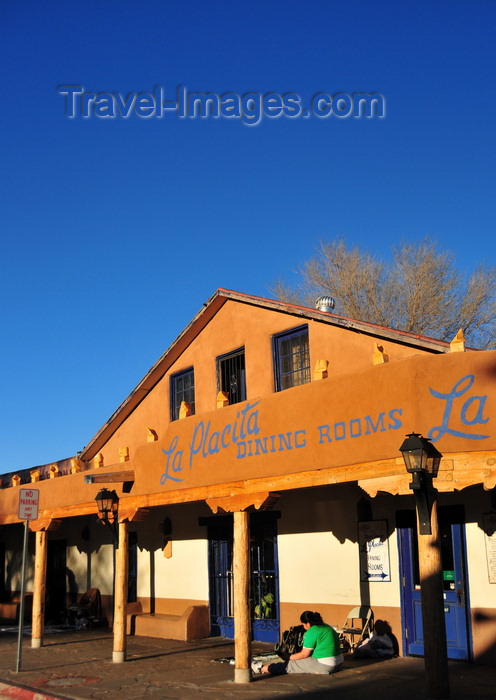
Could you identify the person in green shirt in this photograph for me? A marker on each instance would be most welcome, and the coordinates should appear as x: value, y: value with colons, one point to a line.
x: 321, y: 652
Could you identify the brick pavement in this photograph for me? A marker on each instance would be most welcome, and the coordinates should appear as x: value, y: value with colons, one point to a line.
x: 78, y: 666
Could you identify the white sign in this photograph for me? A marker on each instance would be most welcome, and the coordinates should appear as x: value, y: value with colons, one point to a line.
x: 28, y: 504
x: 374, y: 551
x: 490, y: 534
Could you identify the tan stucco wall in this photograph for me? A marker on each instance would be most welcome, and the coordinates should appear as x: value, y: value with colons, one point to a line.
x: 321, y: 566
x: 184, y: 575
x: 237, y: 325
x: 316, y: 568
x: 482, y: 593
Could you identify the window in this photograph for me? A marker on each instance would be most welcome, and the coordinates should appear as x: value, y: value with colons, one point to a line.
x: 291, y: 358
x: 182, y: 389
x: 231, y: 375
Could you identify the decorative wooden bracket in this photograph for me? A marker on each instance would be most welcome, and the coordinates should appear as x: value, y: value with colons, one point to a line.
x: 110, y: 478
x: 47, y: 524
x: 243, y: 501
x: 458, y: 342
x: 133, y: 515
x: 127, y: 478
x: 379, y: 355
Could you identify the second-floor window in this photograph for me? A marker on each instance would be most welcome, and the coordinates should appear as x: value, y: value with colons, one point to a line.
x: 182, y: 389
x: 231, y: 375
x: 291, y: 358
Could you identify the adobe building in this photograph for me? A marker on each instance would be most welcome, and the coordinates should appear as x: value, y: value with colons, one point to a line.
x: 258, y: 473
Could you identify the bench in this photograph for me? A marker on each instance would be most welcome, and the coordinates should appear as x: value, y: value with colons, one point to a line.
x: 9, y: 609
x: 192, y: 623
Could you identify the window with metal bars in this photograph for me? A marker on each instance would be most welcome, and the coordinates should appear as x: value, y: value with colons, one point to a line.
x: 231, y: 375
x: 291, y: 358
x: 182, y: 389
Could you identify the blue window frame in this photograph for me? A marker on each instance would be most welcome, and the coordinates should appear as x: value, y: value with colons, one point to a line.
x: 231, y: 375
x: 182, y: 389
x: 291, y: 358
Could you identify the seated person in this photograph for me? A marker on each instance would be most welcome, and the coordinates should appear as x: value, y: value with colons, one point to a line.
x: 379, y: 645
x: 321, y: 651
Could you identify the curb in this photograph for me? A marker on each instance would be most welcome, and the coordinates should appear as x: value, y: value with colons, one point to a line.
x: 7, y: 690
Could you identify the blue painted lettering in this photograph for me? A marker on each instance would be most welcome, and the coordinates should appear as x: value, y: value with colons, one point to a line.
x: 371, y: 427
x: 339, y: 431
x: 355, y: 431
x: 479, y: 403
x: 175, y: 464
x: 252, y: 424
x: 300, y: 442
x: 285, y: 442
x: 225, y: 441
x: 196, y: 445
x: 324, y: 433
x: 394, y: 418
x: 459, y: 389
x: 241, y: 450
x: 261, y: 446
x: 205, y: 441
x: 206, y: 444
x: 272, y: 443
x: 213, y: 444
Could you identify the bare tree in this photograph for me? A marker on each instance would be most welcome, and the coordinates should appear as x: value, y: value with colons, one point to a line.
x: 420, y: 290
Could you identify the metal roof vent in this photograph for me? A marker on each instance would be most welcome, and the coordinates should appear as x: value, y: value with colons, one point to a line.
x: 324, y: 304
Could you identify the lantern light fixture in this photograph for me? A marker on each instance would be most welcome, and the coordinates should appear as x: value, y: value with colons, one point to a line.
x: 420, y: 455
x: 108, y: 505
x: 422, y: 461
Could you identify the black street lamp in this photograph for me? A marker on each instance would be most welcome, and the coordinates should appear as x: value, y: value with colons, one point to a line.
x: 108, y: 504
x: 422, y: 462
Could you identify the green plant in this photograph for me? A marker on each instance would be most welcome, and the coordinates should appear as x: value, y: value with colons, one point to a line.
x: 264, y: 610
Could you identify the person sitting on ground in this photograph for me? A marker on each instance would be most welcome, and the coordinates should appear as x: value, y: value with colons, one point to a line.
x: 379, y: 645
x: 321, y: 652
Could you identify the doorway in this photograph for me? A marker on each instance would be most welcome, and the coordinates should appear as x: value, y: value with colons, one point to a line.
x: 264, y: 582
x: 56, y: 577
x: 455, y: 590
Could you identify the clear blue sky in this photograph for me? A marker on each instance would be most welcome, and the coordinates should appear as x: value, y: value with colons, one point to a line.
x: 115, y: 231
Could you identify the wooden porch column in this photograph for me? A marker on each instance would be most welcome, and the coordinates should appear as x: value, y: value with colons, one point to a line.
x: 434, y: 625
x: 240, y: 505
x: 40, y: 567
x: 120, y: 594
x: 242, y: 621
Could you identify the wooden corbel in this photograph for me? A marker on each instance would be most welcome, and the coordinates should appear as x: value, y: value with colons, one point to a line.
x: 46, y: 524
x: 132, y: 515
x: 243, y: 501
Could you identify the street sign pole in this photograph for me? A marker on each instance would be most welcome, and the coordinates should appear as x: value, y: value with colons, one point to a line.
x: 27, y: 510
x: 23, y: 586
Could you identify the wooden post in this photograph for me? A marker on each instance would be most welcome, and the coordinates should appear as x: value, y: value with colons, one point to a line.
x: 40, y: 566
x: 242, y: 617
x: 434, y: 625
x: 120, y: 595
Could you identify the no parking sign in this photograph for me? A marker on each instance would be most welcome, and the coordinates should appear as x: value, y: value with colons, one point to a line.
x: 28, y: 504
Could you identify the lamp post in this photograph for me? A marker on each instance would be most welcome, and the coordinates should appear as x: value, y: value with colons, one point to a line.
x: 108, y: 505
x: 422, y: 461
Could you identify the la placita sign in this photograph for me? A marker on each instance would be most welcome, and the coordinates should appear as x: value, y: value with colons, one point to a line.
x: 28, y: 504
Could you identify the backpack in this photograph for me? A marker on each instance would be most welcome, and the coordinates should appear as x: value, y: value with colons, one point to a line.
x: 291, y: 641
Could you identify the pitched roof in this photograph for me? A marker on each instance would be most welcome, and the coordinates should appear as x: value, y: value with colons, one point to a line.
x: 205, y: 315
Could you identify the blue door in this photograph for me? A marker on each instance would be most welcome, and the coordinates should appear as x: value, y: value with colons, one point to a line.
x: 451, y: 530
x: 264, y: 588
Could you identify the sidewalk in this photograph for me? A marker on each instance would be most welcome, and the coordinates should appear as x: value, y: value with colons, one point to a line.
x: 78, y: 665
